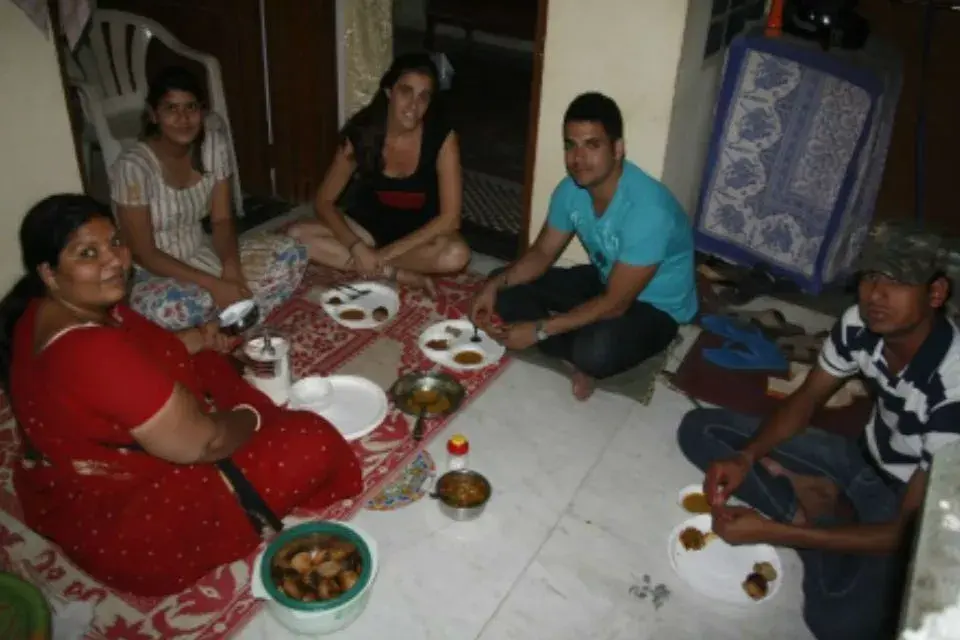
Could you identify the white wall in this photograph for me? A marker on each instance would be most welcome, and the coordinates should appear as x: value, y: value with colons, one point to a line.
x: 694, y: 99
x: 37, y: 156
x: 627, y: 49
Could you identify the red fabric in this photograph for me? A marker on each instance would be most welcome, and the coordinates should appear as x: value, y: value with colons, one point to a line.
x: 411, y: 200
x: 131, y: 520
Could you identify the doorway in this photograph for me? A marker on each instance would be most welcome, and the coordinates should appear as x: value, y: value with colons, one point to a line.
x: 495, y: 49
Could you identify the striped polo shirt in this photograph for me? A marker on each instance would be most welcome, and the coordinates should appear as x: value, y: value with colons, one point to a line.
x: 917, y: 410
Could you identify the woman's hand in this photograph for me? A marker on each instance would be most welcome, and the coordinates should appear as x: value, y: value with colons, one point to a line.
x: 365, y: 260
x: 226, y: 292
x: 206, y: 337
x: 233, y: 272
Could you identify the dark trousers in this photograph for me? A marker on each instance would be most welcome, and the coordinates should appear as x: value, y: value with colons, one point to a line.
x: 846, y: 596
x: 601, y: 349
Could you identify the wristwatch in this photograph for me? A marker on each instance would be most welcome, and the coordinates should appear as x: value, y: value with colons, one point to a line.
x: 541, y: 330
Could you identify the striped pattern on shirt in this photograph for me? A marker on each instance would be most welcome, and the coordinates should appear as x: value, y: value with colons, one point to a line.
x: 916, y: 411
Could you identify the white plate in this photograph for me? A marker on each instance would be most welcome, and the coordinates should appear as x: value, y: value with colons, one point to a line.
x: 357, y: 406
x: 718, y: 570
x: 491, y: 349
x: 380, y: 295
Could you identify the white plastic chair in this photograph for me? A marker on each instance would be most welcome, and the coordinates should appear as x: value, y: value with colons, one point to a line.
x: 113, y: 102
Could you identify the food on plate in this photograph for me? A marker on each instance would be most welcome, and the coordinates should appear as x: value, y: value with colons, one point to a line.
x: 380, y: 314
x: 334, y: 301
x: 353, y: 314
x: 316, y: 567
x: 468, y: 358
x: 756, y: 586
x: 696, y: 503
x: 438, y: 345
x: 462, y: 492
x: 453, y: 331
x: 692, y: 539
x: 428, y: 399
x: 766, y: 570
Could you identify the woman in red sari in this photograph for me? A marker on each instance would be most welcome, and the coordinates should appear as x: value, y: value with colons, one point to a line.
x: 146, y: 457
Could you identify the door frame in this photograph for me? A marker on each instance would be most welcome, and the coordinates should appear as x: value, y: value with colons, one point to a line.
x: 533, y: 125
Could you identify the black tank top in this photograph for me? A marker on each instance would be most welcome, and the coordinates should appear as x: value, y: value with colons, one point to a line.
x: 390, y: 208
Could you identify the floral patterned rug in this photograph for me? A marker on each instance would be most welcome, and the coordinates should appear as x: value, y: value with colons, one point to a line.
x: 221, y: 603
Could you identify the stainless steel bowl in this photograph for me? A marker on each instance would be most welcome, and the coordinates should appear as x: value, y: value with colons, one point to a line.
x: 404, y: 392
x: 239, y: 317
x: 451, y: 508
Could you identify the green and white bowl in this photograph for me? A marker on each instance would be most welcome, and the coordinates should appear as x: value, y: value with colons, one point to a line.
x: 322, y: 616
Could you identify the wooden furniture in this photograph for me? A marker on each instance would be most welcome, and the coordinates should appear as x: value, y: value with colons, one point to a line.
x: 509, y: 18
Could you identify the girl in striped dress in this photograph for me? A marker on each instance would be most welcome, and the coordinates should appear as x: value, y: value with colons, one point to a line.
x: 163, y: 187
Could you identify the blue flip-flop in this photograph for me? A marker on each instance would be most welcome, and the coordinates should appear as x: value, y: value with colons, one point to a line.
x: 746, y: 348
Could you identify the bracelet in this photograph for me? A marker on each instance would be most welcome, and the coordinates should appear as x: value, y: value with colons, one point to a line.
x: 251, y: 408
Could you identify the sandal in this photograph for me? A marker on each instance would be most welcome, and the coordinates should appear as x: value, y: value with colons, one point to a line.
x: 803, y: 348
x: 746, y: 347
x: 770, y: 321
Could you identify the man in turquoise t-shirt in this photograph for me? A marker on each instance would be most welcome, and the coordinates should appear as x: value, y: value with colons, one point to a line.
x: 608, y: 316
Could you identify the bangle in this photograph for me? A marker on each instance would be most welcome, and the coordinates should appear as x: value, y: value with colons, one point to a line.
x: 252, y: 409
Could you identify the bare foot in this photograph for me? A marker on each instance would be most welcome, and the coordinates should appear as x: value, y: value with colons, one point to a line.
x: 816, y: 496
x: 583, y: 385
x: 417, y: 281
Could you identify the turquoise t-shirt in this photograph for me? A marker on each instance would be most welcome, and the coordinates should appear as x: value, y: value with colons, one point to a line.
x: 643, y: 225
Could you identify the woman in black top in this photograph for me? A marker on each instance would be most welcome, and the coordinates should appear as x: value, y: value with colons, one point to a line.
x: 403, y: 222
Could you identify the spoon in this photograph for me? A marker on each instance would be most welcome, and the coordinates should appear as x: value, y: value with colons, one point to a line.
x: 476, y: 334
x: 418, y: 425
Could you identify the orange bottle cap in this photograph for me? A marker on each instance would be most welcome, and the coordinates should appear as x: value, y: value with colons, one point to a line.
x: 458, y: 445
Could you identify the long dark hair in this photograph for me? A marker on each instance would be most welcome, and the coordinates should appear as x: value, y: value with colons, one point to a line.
x: 367, y: 128
x: 175, y: 79
x: 44, y: 232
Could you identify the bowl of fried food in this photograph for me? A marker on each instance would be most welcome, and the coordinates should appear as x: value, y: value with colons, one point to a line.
x: 462, y: 494
x: 316, y: 576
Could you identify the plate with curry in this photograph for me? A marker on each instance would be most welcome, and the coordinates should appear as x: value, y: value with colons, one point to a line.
x: 361, y: 305
x: 743, y: 574
x: 450, y: 344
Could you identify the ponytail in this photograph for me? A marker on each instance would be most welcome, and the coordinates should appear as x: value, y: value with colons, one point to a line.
x: 12, y: 308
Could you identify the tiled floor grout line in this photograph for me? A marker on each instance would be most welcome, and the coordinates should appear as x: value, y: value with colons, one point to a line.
x: 567, y: 510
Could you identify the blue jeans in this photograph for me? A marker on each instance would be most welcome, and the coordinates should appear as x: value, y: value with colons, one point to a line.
x: 602, y: 349
x: 846, y: 597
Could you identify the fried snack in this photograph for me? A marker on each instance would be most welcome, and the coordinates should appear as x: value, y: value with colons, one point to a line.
x: 468, y: 358
x: 334, y: 301
x: 316, y: 567
x: 353, y: 314
x: 437, y: 345
x: 756, y: 586
x: 380, y: 314
x: 696, y: 503
x: 766, y: 570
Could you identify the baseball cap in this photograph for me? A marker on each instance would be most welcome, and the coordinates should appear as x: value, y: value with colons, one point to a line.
x: 906, y: 261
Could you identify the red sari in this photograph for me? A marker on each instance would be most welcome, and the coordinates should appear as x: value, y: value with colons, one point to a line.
x: 131, y: 520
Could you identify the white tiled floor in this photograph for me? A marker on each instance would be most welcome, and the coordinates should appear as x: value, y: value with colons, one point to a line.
x: 585, y: 499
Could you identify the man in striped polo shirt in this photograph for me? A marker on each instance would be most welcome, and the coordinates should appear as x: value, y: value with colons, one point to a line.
x: 846, y: 506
